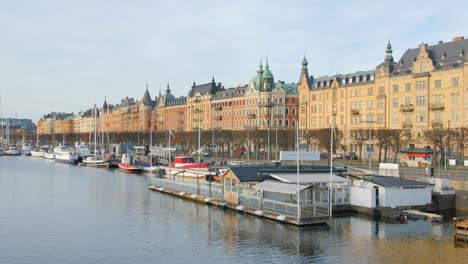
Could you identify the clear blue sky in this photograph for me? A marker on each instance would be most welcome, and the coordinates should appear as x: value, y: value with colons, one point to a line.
x: 67, y: 55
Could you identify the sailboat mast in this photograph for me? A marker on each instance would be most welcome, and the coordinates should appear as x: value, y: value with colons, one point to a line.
x: 95, y: 130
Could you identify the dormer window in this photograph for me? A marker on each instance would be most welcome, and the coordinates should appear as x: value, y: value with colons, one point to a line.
x: 443, y: 55
x: 343, y: 81
x: 353, y: 80
x: 461, y: 53
x: 360, y: 78
x: 372, y: 77
x: 367, y: 77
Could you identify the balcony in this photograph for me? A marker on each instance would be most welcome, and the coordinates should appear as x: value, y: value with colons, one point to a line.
x: 251, y: 116
x: 265, y: 104
x: 407, y: 108
x: 354, y: 112
x: 407, y: 124
x: 334, y: 113
x: 197, y: 100
x: 219, y: 118
x: 218, y: 108
x: 180, y: 121
x: 180, y: 112
x: 197, y: 120
x: 437, y: 106
x: 303, y: 102
x: 437, y: 124
x: 197, y: 110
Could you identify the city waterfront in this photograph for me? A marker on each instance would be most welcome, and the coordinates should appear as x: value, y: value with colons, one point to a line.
x: 54, y: 213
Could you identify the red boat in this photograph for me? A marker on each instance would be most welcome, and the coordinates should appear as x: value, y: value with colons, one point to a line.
x: 188, y: 163
x: 127, y: 166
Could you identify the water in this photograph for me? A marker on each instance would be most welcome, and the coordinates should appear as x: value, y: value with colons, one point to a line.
x: 54, y: 213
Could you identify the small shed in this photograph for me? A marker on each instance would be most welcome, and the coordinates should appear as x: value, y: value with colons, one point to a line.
x: 387, y: 191
x: 237, y: 178
x: 418, y: 157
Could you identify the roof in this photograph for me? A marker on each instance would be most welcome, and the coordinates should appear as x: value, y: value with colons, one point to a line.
x: 390, y: 181
x: 347, y: 79
x: 307, y: 177
x: 147, y: 99
x: 418, y: 150
x: 444, y: 56
x: 246, y: 173
x: 207, y: 88
x: 230, y: 93
x: 279, y: 187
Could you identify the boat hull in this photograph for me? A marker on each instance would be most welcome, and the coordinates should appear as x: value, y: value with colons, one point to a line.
x: 50, y: 156
x: 12, y: 152
x: 66, y: 161
x: 39, y: 154
x: 129, y: 168
x: 96, y: 163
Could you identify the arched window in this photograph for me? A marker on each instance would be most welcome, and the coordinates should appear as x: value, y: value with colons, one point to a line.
x: 287, y: 110
x: 286, y: 122
x: 280, y: 122
x: 294, y: 123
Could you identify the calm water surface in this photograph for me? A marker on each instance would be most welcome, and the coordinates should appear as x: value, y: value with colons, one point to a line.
x: 54, y: 213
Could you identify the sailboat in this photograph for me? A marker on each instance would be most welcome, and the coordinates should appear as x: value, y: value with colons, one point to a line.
x: 25, y: 147
x: 37, y: 151
x: 95, y: 160
x: 151, y: 167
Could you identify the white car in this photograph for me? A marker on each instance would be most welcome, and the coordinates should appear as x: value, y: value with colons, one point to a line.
x: 337, y: 156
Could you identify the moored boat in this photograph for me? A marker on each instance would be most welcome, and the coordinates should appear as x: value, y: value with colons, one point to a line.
x: 96, y: 161
x: 26, y: 149
x: 188, y: 163
x: 13, y: 150
x: 127, y: 165
x: 64, y: 154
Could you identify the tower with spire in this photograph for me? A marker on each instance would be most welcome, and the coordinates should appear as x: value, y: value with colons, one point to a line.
x: 304, y: 77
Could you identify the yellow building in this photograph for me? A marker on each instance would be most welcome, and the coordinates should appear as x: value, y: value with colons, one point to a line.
x: 421, y: 91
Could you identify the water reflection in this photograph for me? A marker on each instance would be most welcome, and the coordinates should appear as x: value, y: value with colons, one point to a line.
x: 51, y: 213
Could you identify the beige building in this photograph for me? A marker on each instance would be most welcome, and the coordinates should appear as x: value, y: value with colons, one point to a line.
x: 425, y: 89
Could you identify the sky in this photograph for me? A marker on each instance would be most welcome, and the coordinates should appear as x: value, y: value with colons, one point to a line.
x: 68, y: 55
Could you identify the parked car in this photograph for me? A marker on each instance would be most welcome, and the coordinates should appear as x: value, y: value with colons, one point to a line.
x: 351, y: 156
x: 337, y: 156
x: 324, y: 155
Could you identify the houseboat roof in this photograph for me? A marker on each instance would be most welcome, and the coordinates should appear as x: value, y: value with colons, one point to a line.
x: 307, y: 177
x: 279, y: 187
x: 390, y: 181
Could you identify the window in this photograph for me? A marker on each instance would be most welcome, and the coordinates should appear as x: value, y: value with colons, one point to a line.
x: 294, y: 111
x: 455, y: 98
x: 381, y: 90
x: 420, y: 117
x: 421, y: 100
x: 438, y: 84
x: 455, y: 115
x: 341, y: 107
x: 328, y: 96
x: 395, y: 88
x: 395, y: 118
x: 328, y: 108
x: 370, y: 91
x: 320, y: 108
x: 407, y: 87
x: 421, y: 85
x: 320, y: 96
x: 380, y: 118
x: 287, y: 110
x: 455, y: 82
x: 342, y: 94
x: 353, y: 93
x: 341, y: 119
x: 408, y: 100
x: 314, y: 97
x: 395, y: 102
x: 422, y: 66
x: 380, y: 104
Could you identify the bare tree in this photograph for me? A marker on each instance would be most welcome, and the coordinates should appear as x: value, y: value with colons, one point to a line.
x: 323, y: 138
x: 399, y: 138
x: 359, y: 136
x: 383, y: 137
x: 309, y: 136
x: 460, y: 138
x: 438, y: 137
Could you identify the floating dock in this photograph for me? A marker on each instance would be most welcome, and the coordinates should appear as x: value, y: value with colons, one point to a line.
x: 427, y: 216
x: 242, y: 209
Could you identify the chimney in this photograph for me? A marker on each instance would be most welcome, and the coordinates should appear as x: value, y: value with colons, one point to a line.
x: 440, y: 42
x: 458, y: 38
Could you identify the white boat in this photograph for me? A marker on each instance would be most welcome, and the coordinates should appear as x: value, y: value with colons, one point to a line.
x: 49, y: 154
x: 96, y: 159
x: 26, y: 149
x: 13, y: 150
x: 82, y: 151
x: 2, y: 152
x: 64, y: 154
x: 39, y: 152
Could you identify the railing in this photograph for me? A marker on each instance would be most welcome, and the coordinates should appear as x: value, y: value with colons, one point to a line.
x: 190, y: 185
x: 218, y: 108
x: 218, y: 118
x: 251, y: 116
x: 197, y: 110
x: 437, y: 124
x: 197, y: 120
x: 407, y: 108
x: 354, y: 112
x: 265, y: 104
x: 197, y: 100
x: 180, y: 112
x: 303, y: 102
x: 180, y: 121
x: 437, y: 106
x: 334, y: 113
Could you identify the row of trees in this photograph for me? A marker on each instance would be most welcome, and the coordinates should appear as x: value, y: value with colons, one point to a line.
x: 390, y: 141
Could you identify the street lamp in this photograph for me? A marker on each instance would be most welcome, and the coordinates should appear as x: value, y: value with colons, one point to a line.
x: 370, y: 137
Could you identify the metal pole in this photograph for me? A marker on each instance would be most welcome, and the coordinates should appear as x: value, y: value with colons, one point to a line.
x: 331, y: 172
x: 198, y: 143
x: 370, y: 152
x: 268, y: 155
x: 248, y: 146
x: 276, y: 142
x: 297, y: 165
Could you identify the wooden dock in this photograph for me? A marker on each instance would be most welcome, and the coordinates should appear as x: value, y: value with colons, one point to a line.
x: 460, y: 228
x: 427, y: 216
